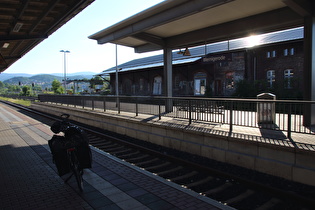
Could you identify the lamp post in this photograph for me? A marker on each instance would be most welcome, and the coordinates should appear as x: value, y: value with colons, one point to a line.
x: 116, y: 75
x: 64, y: 68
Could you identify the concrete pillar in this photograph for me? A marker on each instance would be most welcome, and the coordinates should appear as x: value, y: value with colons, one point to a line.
x: 309, y: 69
x: 168, y: 78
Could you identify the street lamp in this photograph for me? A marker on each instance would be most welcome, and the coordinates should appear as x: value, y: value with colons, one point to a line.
x: 116, y: 75
x: 64, y: 68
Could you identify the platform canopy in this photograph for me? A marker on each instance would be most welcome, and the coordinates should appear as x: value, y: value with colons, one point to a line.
x: 25, y: 23
x: 176, y: 24
x: 185, y: 23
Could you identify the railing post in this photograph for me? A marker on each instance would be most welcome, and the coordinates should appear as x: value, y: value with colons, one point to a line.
x: 189, y: 110
x: 118, y: 105
x: 136, y: 106
x: 231, y: 118
x: 92, y: 103
x: 104, y: 103
x: 160, y: 109
x: 289, y: 122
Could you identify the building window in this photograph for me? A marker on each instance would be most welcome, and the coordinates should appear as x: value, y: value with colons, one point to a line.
x: 271, y: 77
x: 177, y: 81
x: 268, y: 54
x: 141, y: 84
x: 157, y: 85
x: 271, y: 54
x: 128, y: 88
x: 288, y: 75
x: 229, y: 80
x: 200, y: 84
x: 222, y: 64
x: 287, y: 51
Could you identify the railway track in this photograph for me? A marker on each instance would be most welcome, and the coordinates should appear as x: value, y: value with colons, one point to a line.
x: 237, y: 187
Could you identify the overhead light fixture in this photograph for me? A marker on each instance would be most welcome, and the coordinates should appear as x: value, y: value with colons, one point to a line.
x: 186, y: 52
x: 17, y: 27
x: 180, y: 51
x: 6, y: 45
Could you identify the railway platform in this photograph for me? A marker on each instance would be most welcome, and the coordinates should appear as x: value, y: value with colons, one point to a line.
x: 29, y: 179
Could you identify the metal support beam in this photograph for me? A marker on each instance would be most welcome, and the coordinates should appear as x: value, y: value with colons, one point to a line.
x: 261, y: 23
x: 184, y: 9
x: 150, y: 38
x: 302, y: 7
x: 22, y: 37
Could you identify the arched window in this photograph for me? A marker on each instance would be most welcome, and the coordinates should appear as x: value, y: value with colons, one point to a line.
x: 127, y: 87
x: 200, y: 84
x: 141, y: 84
x: 157, y: 85
x: 177, y: 81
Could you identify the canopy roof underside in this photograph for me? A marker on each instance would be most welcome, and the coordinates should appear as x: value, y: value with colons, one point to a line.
x: 25, y: 23
x: 185, y: 23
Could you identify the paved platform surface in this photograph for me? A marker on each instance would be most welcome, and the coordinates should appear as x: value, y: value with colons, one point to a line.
x: 29, y: 179
x: 302, y: 141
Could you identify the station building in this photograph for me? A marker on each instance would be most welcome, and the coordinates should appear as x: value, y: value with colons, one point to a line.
x: 274, y: 64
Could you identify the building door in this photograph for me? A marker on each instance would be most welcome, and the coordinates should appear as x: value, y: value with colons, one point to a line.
x: 218, y: 87
x: 229, y: 83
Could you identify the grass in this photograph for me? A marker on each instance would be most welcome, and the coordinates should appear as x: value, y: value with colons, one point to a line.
x: 17, y: 101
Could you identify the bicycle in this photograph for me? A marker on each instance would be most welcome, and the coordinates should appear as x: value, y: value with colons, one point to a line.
x: 69, y: 147
x: 74, y: 164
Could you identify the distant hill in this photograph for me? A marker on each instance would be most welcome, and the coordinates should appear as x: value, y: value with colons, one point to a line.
x: 37, y: 79
x: 43, y: 80
x: 81, y: 74
x: 5, y: 76
x: 77, y: 75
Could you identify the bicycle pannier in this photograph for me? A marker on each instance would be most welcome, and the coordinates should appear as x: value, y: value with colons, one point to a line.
x: 83, y: 151
x: 59, y: 154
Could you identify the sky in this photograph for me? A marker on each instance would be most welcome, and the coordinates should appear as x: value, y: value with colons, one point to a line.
x: 85, y: 54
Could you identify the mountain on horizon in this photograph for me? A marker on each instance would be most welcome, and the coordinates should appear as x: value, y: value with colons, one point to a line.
x: 5, y: 76
x: 76, y: 75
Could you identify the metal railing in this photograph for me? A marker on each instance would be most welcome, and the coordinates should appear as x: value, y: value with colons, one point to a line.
x: 281, y: 115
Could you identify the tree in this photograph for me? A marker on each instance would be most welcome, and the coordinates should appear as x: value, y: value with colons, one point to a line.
x: 12, y: 89
x: 97, y: 80
x: 37, y: 88
x: 26, y: 91
x: 57, y: 87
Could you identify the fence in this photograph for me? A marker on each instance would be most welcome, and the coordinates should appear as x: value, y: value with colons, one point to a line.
x: 282, y: 115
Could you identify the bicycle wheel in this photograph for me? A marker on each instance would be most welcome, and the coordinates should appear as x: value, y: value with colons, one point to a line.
x: 77, y: 172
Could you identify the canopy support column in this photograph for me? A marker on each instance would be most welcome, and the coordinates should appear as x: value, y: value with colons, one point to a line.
x: 309, y: 69
x: 168, y: 78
